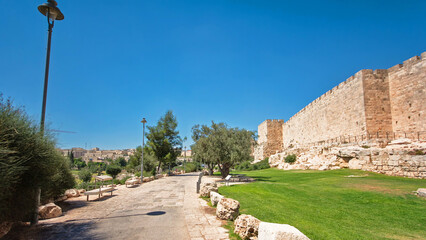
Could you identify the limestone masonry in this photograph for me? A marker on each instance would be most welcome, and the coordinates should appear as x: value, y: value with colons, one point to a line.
x: 370, y: 107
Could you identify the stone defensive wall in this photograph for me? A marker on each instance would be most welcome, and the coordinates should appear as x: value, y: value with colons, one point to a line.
x: 373, y: 109
x: 371, y: 104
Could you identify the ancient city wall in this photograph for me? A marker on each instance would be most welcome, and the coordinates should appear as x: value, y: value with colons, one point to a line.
x: 269, y: 139
x: 338, y: 112
x: 407, y: 87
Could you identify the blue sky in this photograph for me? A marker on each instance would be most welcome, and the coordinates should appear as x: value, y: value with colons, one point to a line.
x: 235, y: 61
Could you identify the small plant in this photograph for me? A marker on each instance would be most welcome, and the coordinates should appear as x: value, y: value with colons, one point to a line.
x: 290, y: 158
x: 365, y: 146
x: 113, y: 170
x: 85, y: 175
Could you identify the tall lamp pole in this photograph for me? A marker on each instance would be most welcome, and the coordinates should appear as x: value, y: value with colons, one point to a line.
x: 52, y: 13
x: 143, y: 145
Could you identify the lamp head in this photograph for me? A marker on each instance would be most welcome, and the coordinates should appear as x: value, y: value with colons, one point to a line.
x: 143, y: 120
x: 51, y: 10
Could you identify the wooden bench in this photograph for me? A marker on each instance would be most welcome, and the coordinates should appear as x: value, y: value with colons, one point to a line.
x: 102, y: 189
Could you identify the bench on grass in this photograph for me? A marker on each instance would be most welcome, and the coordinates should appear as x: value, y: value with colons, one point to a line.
x: 102, y: 189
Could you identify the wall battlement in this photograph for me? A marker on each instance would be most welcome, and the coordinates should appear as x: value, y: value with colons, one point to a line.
x: 381, y: 100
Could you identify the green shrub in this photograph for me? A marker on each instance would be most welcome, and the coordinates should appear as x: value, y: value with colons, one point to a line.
x: 290, y: 158
x: 113, y: 170
x: 28, y: 161
x: 85, y: 175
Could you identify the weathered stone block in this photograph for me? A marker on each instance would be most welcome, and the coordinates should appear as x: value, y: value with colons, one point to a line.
x: 275, y: 231
x: 227, y: 209
x: 246, y: 226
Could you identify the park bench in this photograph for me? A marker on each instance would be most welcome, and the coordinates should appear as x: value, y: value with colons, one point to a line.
x: 102, y: 189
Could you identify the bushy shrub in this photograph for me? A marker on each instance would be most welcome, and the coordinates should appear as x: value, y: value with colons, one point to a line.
x: 247, y: 166
x: 290, y: 158
x: 113, y: 170
x: 28, y: 161
x: 85, y: 175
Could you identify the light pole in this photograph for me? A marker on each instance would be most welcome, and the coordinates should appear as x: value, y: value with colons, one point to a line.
x: 184, y: 160
x: 52, y: 12
x: 143, y: 145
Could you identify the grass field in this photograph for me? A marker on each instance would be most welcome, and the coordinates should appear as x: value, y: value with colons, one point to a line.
x: 328, y: 205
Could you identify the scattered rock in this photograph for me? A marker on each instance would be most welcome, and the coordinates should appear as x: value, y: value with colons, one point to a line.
x: 72, y: 193
x: 227, y: 209
x: 421, y: 192
x: 81, y: 191
x: 146, y: 179
x: 275, y: 231
x: 207, y: 188
x: 50, y: 210
x: 215, y: 198
x: 5, y: 228
x: 61, y: 198
x: 246, y: 226
x: 152, y: 178
x: 400, y: 141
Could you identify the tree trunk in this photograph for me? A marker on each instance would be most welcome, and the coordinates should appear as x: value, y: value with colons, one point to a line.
x: 225, y: 171
x: 210, y: 167
x: 158, y: 168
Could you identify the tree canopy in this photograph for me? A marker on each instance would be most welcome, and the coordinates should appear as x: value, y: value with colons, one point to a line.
x: 221, y: 145
x: 28, y: 161
x: 164, y: 140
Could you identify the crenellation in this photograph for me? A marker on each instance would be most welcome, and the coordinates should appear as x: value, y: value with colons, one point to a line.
x: 371, y: 104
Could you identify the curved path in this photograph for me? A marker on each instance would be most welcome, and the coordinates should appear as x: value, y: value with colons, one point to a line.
x: 167, y: 208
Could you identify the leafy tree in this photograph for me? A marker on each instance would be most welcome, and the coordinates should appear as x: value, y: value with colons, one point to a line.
x: 201, y: 146
x: 85, y: 175
x: 71, y: 156
x: 120, y: 161
x: 28, y: 161
x: 222, y: 145
x: 134, y: 163
x: 164, y: 140
x: 78, y: 163
x: 113, y: 170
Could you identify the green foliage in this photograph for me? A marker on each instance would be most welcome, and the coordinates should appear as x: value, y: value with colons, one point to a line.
x: 290, y: 158
x: 120, y: 161
x: 96, y: 167
x: 85, y: 175
x: 28, y: 161
x: 164, y: 141
x: 113, y: 170
x: 78, y: 163
x: 247, y: 166
x: 312, y: 201
x: 221, y: 145
x: 134, y: 163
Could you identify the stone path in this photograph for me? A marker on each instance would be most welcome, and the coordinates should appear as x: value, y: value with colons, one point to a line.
x: 167, y: 208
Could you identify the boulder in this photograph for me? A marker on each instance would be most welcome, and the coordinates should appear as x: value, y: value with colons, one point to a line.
x: 72, y: 193
x: 215, y: 198
x: 421, y: 192
x: 50, y: 210
x: 151, y: 178
x: 246, y: 226
x: 275, y: 231
x: 61, y: 198
x: 227, y: 209
x: 146, y: 179
x: 81, y: 191
x: 5, y: 228
x: 207, y: 188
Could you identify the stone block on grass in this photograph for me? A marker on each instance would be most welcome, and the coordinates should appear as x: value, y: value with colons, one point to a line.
x: 246, y: 226
x: 228, y: 209
x: 275, y: 231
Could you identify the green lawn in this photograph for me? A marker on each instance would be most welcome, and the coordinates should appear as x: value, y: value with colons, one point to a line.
x: 328, y: 205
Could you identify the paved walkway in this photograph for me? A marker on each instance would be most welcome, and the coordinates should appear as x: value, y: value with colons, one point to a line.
x: 167, y: 208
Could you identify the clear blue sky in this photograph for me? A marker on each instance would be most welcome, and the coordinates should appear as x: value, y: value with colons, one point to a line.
x: 233, y: 61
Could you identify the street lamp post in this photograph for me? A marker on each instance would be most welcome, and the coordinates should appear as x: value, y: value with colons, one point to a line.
x: 143, y: 145
x: 52, y: 12
x: 184, y: 160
